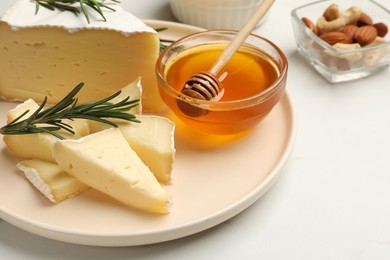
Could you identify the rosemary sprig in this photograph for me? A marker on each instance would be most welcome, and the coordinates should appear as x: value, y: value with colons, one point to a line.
x: 164, y: 43
x: 50, y: 120
x: 69, y: 5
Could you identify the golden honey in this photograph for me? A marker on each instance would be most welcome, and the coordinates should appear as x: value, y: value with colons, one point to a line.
x: 246, y: 74
x: 248, y: 87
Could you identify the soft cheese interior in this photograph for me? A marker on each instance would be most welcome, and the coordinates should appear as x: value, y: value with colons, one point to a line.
x: 49, y: 53
x: 105, y: 162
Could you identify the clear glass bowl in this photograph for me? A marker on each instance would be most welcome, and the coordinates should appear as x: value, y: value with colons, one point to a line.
x: 341, y: 65
x: 221, y: 117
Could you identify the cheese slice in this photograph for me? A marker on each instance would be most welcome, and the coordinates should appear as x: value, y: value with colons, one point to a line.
x: 38, y: 146
x: 49, y: 53
x: 134, y: 91
x: 55, y: 184
x: 105, y: 162
x: 16, y: 112
x: 80, y: 126
x: 152, y: 140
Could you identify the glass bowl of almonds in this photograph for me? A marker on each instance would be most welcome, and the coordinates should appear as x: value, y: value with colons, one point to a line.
x: 343, y: 40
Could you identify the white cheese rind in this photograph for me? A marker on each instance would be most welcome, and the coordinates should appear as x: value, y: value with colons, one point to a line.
x: 48, y: 54
x: 33, y: 176
x: 105, y: 162
x: 50, y: 180
x: 22, y: 15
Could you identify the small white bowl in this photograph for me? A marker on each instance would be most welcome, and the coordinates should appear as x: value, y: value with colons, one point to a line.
x: 215, y: 14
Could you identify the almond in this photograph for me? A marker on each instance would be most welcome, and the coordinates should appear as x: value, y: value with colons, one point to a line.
x: 334, y: 62
x: 349, y: 31
x: 310, y: 24
x: 364, y: 20
x: 332, y: 12
x: 342, y: 64
x: 365, y: 35
x: 334, y: 37
x: 316, y: 47
x: 381, y: 28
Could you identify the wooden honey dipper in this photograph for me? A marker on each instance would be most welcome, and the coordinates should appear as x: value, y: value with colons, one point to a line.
x: 205, y: 84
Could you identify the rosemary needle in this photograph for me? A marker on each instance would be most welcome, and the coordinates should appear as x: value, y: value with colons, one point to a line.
x: 97, y: 5
x: 50, y: 120
x: 69, y: 5
x: 164, y: 43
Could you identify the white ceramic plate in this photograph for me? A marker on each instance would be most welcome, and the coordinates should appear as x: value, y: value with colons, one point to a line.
x: 211, y: 183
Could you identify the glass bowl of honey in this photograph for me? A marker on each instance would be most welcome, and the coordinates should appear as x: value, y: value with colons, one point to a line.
x: 252, y: 82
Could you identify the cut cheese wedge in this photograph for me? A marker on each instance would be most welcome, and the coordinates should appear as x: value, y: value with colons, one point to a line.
x: 105, y: 162
x: 79, y: 126
x: 55, y: 184
x: 134, y: 91
x: 31, y: 146
x: 16, y: 112
x: 38, y: 146
x: 153, y: 141
x: 55, y: 50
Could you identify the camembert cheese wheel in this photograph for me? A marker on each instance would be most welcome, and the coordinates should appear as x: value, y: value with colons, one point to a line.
x: 49, y: 53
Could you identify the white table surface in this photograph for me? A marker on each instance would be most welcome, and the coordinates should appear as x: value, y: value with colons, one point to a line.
x: 332, y: 200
